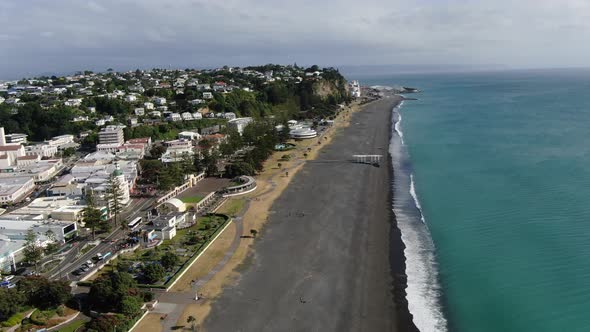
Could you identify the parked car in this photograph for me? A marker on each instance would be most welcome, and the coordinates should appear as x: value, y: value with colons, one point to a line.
x: 8, y: 278
x: 89, y: 263
x: 10, y: 286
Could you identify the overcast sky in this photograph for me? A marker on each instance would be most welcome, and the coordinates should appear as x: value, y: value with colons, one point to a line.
x: 40, y: 36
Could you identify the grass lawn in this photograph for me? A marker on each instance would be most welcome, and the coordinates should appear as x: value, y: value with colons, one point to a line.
x: 192, y: 199
x: 73, y: 326
x: 232, y: 207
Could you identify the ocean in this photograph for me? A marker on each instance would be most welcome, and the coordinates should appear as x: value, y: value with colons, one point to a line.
x: 491, y: 194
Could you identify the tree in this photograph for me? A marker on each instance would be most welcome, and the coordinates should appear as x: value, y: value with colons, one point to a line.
x: 33, y: 250
x: 11, y: 302
x: 92, y: 219
x: 108, y: 292
x: 191, y: 320
x: 131, y: 306
x: 44, y: 293
x: 114, y: 196
x: 169, y: 260
x: 153, y: 272
x: 253, y: 232
x: 210, y: 163
x: 52, y: 294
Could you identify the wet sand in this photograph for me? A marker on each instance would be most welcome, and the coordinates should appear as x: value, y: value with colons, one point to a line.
x: 328, y: 257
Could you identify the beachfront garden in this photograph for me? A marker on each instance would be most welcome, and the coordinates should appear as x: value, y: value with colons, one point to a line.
x: 158, y: 267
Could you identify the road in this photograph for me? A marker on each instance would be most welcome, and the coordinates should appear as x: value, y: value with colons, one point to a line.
x: 137, y: 208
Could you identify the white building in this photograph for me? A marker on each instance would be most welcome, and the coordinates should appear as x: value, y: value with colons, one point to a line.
x: 73, y: 102
x: 111, y: 135
x: 229, y: 115
x: 62, y: 142
x: 139, y: 111
x: 13, y: 189
x: 174, y: 117
x: 186, y: 116
x: 177, y: 150
x: 16, y: 138
x: 239, y: 124
x: 130, y: 98
x: 189, y: 135
x: 355, y: 89
x: 44, y: 150
x: 197, y: 115
x: 12, y: 233
x: 207, y: 95
x: 148, y: 106
x: 160, y: 101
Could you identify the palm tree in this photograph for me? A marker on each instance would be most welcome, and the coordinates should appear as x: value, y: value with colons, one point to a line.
x: 191, y: 320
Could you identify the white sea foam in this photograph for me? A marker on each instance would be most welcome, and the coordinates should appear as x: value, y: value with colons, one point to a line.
x: 423, y: 289
x: 398, y: 123
x: 415, y: 197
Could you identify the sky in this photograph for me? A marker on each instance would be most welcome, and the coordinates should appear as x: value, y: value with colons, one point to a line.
x: 63, y: 36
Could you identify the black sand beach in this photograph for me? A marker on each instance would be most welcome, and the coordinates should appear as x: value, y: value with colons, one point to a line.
x: 330, y: 257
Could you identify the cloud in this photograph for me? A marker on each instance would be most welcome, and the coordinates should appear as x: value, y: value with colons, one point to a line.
x: 75, y: 34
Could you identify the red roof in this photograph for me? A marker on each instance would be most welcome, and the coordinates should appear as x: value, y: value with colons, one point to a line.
x: 31, y: 157
x: 10, y: 147
x: 143, y: 140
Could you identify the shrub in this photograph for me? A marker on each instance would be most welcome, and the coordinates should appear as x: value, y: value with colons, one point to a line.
x: 13, y: 320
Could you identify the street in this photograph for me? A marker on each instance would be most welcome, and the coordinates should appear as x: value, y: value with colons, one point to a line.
x: 137, y: 208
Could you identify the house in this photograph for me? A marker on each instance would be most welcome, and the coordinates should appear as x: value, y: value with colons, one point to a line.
x: 80, y: 118
x: 130, y: 98
x: 2, y: 100
x: 156, y: 114
x: 189, y: 135
x: 197, y: 115
x: 160, y: 101
x: 148, y: 106
x: 229, y: 115
x: 174, y: 117
x: 203, y: 87
x: 239, y: 124
x: 207, y: 95
x: 186, y: 116
x: 132, y: 121
x: 196, y: 102
x: 139, y: 111
x: 73, y: 102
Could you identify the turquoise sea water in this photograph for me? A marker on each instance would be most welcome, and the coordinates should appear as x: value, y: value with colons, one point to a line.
x: 501, y: 167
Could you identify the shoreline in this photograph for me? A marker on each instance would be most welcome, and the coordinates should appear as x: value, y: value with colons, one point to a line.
x: 397, y: 247
x: 376, y: 262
